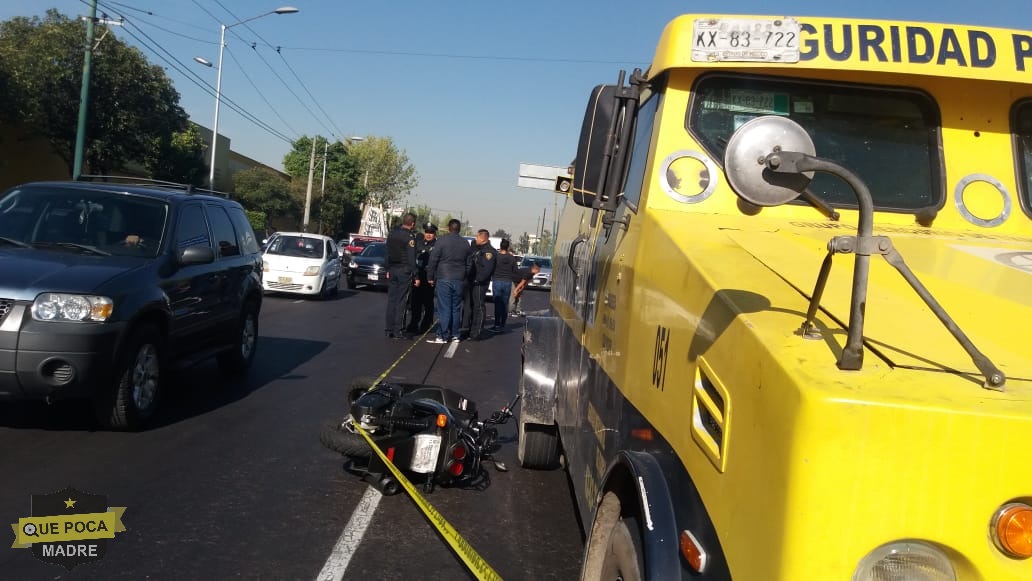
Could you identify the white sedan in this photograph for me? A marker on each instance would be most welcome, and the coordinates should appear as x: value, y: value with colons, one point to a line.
x: 301, y: 263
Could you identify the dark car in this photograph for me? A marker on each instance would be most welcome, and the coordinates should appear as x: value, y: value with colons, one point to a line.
x: 105, y: 285
x: 369, y: 267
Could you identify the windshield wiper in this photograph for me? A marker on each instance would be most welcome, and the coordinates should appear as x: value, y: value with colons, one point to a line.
x: 73, y: 245
x: 13, y: 242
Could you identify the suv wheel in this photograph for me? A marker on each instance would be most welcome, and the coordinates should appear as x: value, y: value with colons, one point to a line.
x: 239, y: 358
x: 134, y: 397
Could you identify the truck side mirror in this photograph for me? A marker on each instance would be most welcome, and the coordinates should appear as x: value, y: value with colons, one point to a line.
x: 589, y: 167
x: 746, y: 159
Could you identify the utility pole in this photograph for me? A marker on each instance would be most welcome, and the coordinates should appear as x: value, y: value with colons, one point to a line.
x: 84, y: 94
x: 308, y: 193
x: 322, y: 190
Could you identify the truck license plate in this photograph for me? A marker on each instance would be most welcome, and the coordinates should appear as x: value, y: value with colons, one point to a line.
x: 746, y: 40
x: 286, y: 279
x: 425, y: 449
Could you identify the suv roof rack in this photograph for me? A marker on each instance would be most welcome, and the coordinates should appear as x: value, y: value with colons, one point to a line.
x: 132, y: 180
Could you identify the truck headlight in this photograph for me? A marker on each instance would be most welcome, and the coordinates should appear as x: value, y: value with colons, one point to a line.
x: 911, y: 560
x: 312, y: 270
x: 69, y: 307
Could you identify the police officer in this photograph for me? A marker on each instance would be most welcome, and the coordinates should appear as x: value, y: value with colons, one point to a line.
x: 401, y: 270
x: 482, y: 262
x: 423, y: 295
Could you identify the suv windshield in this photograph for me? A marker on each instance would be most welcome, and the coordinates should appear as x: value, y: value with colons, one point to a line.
x: 300, y: 246
x: 888, y: 137
x: 82, y: 220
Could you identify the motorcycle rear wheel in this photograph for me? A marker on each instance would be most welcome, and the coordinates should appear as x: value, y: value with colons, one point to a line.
x: 338, y: 439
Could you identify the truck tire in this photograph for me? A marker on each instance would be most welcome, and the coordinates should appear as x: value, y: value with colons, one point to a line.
x: 538, y: 447
x: 340, y: 440
x: 614, y: 548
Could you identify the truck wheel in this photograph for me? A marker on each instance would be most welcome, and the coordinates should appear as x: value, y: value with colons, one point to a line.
x: 340, y: 440
x: 614, y: 548
x: 538, y: 447
x: 137, y: 382
x: 241, y: 356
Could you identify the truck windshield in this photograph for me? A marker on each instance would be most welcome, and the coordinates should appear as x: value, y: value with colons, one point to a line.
x: 888, y: 137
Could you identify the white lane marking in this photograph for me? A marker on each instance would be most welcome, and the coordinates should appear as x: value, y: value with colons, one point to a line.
x: 451, y: 350
x: 347, y: 544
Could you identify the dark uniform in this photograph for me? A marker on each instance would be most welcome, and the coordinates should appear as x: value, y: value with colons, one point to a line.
x: 401, y: 269
x: 423, y: 295
x: 482, y: 262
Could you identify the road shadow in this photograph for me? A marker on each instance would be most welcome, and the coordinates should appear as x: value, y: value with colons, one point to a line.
x: 189, y: 392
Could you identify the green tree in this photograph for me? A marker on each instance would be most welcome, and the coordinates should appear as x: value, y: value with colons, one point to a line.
x: 523, y: 246
x: 262, y: 190
x: 501, y: 233
x: 387, y: 174
x: 343, y: 190
x: 134, y: 110
x: 177, y: 157
x: 544, y: 246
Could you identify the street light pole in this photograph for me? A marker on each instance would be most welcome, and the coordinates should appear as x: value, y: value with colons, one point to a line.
x: 218, y: 99
x: 218, y: 82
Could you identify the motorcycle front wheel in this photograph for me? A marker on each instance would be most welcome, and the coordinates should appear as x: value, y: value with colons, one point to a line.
x: 339, y: 439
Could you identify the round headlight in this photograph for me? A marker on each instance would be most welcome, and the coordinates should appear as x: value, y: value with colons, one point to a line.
x: 911, y: 560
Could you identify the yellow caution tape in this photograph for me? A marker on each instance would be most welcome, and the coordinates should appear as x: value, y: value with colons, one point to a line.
x: 474, y: 562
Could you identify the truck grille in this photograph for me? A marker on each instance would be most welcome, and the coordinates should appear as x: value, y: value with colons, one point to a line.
x: 5, y: 307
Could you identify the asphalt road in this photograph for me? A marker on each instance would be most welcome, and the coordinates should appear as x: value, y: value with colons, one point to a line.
x: 231, y: 481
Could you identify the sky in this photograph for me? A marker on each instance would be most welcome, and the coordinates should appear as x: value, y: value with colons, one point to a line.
x: 468, y: 89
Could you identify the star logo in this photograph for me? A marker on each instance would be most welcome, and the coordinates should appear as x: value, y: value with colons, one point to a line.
x: 69, y: 503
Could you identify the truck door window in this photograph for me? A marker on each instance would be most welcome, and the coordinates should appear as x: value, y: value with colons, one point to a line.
x: 640, y: 152
x: 1023, y: 142
x: 887, y: 136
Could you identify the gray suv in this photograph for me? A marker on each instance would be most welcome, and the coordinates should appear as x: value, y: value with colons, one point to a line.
x: 104, y: 285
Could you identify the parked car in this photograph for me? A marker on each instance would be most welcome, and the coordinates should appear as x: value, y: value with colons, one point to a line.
x: 300, y: 263
x: 369, y: 267
x: 543, y: 279
x: 358, y: 243
x: 104, y: 285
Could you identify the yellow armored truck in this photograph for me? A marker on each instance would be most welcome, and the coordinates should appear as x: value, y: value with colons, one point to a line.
x: 790, y: 334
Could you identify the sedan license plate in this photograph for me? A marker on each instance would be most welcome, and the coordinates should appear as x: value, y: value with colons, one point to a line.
x: 374, y: 277
x: 286, y: 279
x: 425, y: 449
x: 746, y: 40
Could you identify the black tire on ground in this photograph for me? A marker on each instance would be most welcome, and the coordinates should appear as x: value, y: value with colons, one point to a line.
x: 340, y: 440
x: 351, y: 283
x: 538, y: 446
x: 133, y: 397
x: 614, y: 546
x: 335, y: 289
x: 239, y: 359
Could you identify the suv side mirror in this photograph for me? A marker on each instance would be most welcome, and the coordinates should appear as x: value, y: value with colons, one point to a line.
x: 199, y: 254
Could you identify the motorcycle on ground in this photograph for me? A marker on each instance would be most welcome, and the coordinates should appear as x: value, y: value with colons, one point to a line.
x: 431, y: 433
